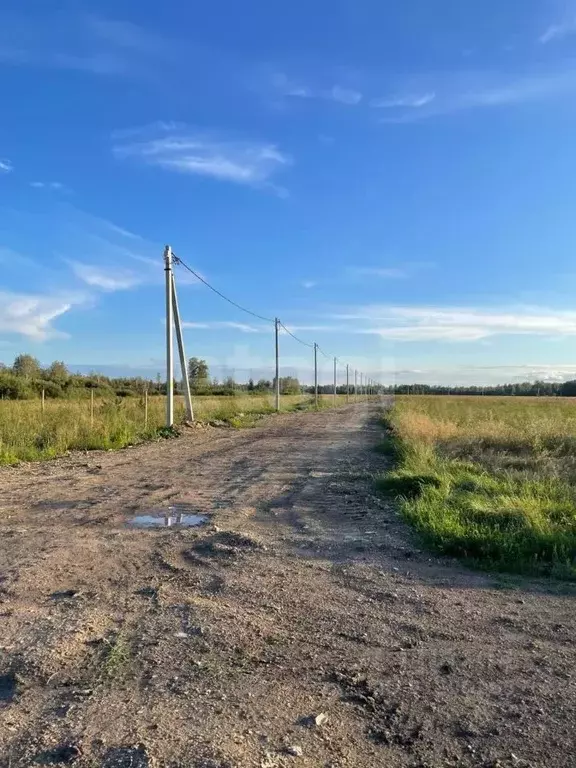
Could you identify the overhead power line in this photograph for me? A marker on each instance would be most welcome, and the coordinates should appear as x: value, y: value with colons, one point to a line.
x: 178, y: 260
x: 305, y: 343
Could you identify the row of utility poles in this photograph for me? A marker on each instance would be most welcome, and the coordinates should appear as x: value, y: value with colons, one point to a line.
x: 173, y: 321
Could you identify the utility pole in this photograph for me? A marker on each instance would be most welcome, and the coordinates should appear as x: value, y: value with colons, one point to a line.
x: 355, y: 384
x: 361, y: 391
x: 347, y: 383
x: 169, y: 339
x: 334, y: 382
x: 182, y: 353
x: 276, y: 327
x: 316, y: 374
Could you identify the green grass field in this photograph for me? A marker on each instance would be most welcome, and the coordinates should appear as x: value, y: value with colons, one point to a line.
x: 28, y: 434
x: 491, y: 480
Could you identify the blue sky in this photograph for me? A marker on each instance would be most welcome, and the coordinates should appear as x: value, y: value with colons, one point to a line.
x: 393, y: 180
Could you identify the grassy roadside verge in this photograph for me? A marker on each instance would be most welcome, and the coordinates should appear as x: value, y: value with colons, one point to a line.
x: 28, y: 433
x: 492, y: 483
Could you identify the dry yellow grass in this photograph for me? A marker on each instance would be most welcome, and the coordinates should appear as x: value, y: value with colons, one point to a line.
x: 27, y: 432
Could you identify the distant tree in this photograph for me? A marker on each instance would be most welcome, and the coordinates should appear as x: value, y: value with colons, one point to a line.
x: 58, y: 372
x: 289, y: 385
x: 26, y: 365
x: 263, y: 385
x: 251, y: 386
x: 568, y: 389
x: 229, y: 383
x: 198, y: 374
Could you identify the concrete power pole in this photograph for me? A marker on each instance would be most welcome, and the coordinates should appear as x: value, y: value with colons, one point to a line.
x: 276, y: 327
x: 182, y: 353
x: 335, y: 382
x: 169, y: 339
x: 316, y: 374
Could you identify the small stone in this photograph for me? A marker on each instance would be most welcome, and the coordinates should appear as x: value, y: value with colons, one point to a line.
x: 180, y: 634
x: 320, y: 719
x: 294, y: 750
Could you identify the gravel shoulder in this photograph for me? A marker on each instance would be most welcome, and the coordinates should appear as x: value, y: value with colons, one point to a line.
x: 301, y: 626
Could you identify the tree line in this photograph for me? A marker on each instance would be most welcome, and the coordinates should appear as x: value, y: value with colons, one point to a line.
x: 27, y: 378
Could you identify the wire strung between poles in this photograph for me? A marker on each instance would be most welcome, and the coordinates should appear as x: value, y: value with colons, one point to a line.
x: 305, y: 343
x: 178, y: 260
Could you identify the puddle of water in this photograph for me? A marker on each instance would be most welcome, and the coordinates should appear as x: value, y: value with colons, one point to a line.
x: 126, y: 757
x: 7, y: 689
x: 175, y: 516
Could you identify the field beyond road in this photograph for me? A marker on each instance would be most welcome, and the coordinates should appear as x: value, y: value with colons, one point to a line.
x: 489, y: 479
x: 31, y: 430
x: 300, y: 626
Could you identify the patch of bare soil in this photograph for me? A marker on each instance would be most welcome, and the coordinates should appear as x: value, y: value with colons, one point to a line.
x: 301, y: 626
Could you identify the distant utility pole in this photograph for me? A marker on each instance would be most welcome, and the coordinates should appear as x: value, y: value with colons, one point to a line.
x: 361, y: 390
x: 347, y: 383
x: 169, y: 339
x: 334, y: 381
x: 355, y: 384
x: 276, y: 327
x: 316, y: 374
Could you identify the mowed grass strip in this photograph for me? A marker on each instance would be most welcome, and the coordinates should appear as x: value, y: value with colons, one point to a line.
x: 489, y: 480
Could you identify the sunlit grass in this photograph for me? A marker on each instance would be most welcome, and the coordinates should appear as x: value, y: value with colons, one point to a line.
x: 28, y: 433
x: 489, y: 479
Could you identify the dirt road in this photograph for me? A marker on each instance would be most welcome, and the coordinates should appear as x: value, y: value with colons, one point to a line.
x: 300, y: 626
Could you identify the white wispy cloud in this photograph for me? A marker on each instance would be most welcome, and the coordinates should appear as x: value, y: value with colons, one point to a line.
x: 32, y: 315
x: 464, y: 91
x: 96, y: 63
x: 459, y: 324
x: 106, y: 279
x: 309, y: 284
x: 223, y: 324
x: 344, y: 95
x: 285, y: 86
x: 411, y: 101
x: 127, y: 35
x: 124, y: 232
x: 55, y: 185
x: 6, y: 166
x: 563, y: 27
x: 187, y: 151
x: 89, y: 43
x: 477, y: 375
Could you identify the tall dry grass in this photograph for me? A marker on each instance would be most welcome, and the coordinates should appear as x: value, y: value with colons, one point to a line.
x: 27, y: 432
